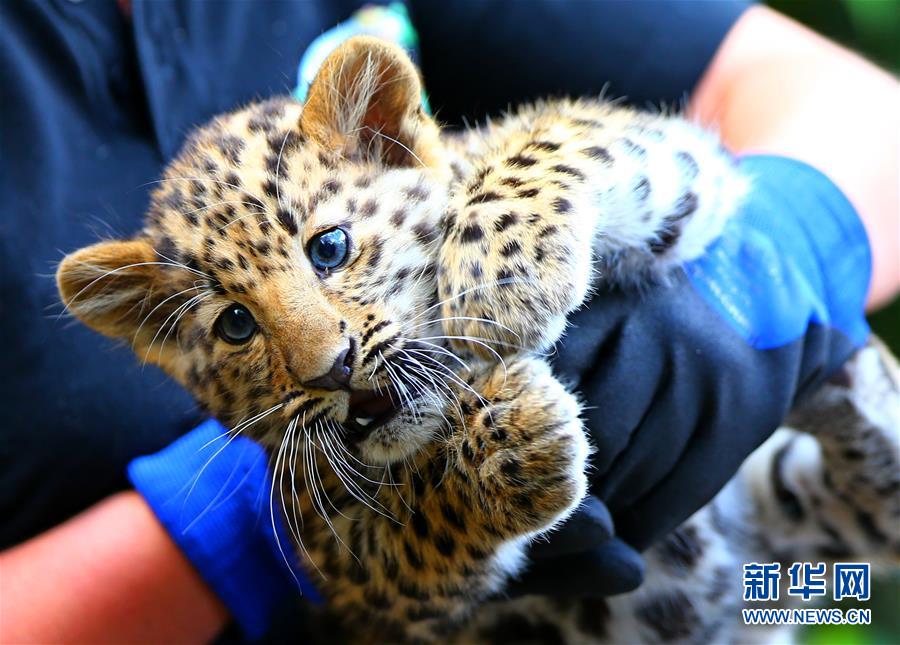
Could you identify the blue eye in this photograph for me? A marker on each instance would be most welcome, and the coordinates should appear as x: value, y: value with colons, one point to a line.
x: 236, y: 325
x: 329, y: 249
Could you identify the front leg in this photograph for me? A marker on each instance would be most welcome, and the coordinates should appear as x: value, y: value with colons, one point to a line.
x: 829, y: 483
x: 570, y: 193
x: 511, y: 467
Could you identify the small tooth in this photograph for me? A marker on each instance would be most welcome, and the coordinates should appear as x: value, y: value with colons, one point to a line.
x: 364, y: 421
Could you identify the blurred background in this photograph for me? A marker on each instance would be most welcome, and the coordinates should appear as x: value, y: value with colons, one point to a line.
x: 872, y: 28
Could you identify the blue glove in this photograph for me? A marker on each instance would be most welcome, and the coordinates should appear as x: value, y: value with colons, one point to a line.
x: 213, y: 496
x: 684, y: 380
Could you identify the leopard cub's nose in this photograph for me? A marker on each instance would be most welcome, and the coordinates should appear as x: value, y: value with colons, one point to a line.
x: 338, y: 377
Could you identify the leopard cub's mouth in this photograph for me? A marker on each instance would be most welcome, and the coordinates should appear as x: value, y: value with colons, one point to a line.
x: 370, y: 410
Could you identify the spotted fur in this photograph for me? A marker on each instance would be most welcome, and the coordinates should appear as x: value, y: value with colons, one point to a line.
x: 467, y: 251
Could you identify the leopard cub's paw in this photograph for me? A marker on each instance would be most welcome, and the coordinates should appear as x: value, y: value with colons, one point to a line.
x: 529, y: 444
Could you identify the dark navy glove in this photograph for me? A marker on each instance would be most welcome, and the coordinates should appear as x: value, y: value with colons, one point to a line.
x: 580, y: 558
x: 682, y: 381
x: 212, y: 495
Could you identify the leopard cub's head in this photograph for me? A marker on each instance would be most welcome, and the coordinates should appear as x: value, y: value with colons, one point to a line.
x: 286, y: 271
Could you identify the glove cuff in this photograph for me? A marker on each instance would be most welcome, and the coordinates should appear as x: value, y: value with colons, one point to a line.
x: 796, y: 254
x: 837, y: 238
x: 212, y: 496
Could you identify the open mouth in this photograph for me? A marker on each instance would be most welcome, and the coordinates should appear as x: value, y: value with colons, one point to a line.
x: 370, y: 410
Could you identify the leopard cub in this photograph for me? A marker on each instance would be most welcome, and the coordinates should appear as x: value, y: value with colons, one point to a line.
x: 369, y: 297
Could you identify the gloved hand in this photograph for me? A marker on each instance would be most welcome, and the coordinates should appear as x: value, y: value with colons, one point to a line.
x: 682, y: 381
x: 213, y: 496
x: 580, y: 558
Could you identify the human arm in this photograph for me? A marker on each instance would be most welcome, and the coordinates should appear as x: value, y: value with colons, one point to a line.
x: 110, y: 574
x: 776, y: 87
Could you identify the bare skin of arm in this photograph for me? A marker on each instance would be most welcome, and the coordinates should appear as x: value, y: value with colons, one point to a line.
x: 112, y: 574
x: 776, y: 87
x: 108, y: 575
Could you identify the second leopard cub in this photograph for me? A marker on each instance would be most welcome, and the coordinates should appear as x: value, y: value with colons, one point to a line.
x: 368, y: 296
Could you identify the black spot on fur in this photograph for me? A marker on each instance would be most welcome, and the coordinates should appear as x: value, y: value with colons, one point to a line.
x: 516, y: 628
x: 867, y: 523
x: 636, y: 149
x: 420, y: 524
x: 667, y: 239
x: 599, y: 153
x: 587, y: 123
x: 412, y: 557
x: 424, y: 233
x: 453, y: 517
x: 642, y: 189
x: 375, y: 249
x: 528, y: 193
x: 512, y: 182
x: 254, y: 203
x: 686, y: 205
x: 511, y: 468
x: 489, y: 196
x: 671, y: 616
x: 233, y: 180
x: 520, y: 161
x: 561, y: 205
x: 511, y: 248
x: 471, y: 233
x: 477, y: 181
x: 375, y: 598
x: 230, y: 146
x: 445, y: 544
x: 369, y: 208
x: 287, y: 221
x: 391, y: 566
x: 417, y: 193
x: 505, y: 221
x: 165, y: 248
x: 398, y: 217
x: 568, y: 170
x: 417, y: 613
x: 374, y: 329
x: 410, y: 589
x: 327, y: 161
x: 787, y: 500
x: 331, y: 187
x: 224, y: 264
x: 688, y: 165
x: 547, y: 146
x: 682, y: 547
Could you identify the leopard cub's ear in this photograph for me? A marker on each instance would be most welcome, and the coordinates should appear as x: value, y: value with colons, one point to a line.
x: 105, y: 285
x: 366, y: 102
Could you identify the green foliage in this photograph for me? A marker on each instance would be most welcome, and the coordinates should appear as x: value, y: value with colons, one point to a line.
x: 870, y: 27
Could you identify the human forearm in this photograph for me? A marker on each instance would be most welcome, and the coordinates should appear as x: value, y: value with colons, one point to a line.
x: 776, y: 87
x: 111, y: 574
